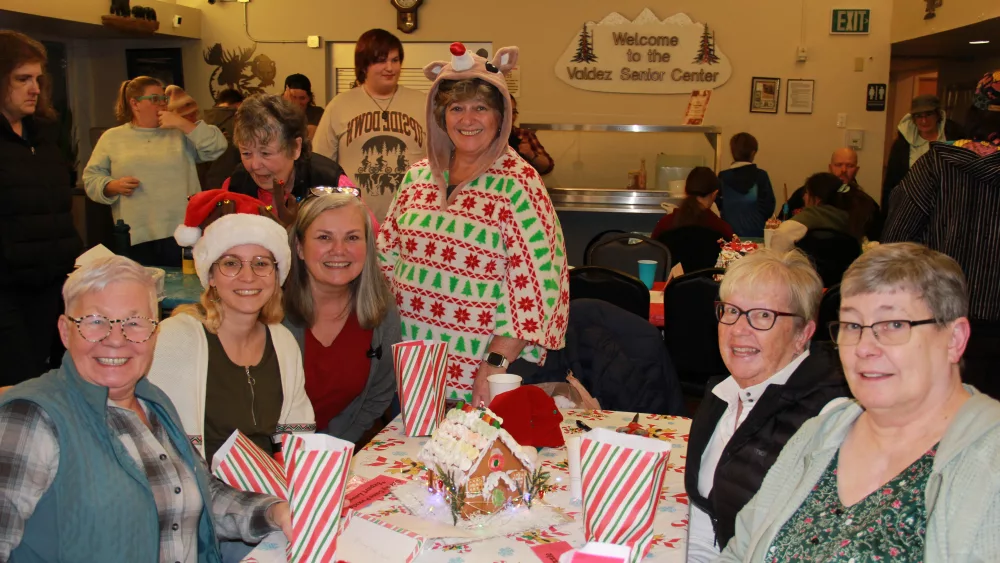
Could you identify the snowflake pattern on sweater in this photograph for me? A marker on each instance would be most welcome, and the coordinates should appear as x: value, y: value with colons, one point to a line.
x: 492, y: 262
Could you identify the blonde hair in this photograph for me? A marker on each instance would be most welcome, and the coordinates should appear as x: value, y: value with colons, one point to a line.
x: 103, y: 272
x: 792, y: 270
x: 208, y: 310
x: 934, y: 277
x: 370, y: 295
x: 130, y: 90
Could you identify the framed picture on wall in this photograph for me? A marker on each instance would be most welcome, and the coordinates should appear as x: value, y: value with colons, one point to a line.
x: 164, y: 64
x: 764, y: 95
x: 799, y: 96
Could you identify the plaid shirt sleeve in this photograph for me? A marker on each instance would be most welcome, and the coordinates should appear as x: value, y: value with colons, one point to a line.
x: 29, y: 460
x: 528, y: 136
x: 237, y: 514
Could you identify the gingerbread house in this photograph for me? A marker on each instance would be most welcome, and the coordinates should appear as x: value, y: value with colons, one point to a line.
x: 471, y: 452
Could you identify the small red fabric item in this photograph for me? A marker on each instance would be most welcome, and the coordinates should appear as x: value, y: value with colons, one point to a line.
x: 530, y: 416
x: 201, y: 205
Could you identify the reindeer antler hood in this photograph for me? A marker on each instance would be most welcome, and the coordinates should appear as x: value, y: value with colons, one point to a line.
x: 465, y: 65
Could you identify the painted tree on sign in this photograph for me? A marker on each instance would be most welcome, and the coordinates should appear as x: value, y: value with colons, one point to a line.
x: 706, y: 52
x: 585, y: 51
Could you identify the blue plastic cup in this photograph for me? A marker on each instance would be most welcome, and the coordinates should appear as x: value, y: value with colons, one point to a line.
x: 647, y: 272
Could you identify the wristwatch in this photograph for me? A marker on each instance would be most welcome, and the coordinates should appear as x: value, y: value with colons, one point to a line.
x: 496, y: 360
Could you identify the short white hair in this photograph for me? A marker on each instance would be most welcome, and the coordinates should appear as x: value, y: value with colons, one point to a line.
x: 790, y: 270
x: 100, y: 273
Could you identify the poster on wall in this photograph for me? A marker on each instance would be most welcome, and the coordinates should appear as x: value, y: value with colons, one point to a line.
x: 764, y: 95
x: 644, y: 56
x: 799, y: 96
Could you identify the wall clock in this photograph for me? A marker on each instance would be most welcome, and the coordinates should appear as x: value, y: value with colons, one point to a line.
x: 406, y: 14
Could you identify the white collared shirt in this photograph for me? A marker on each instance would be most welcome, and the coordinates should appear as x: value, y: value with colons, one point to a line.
x: 701, y: 534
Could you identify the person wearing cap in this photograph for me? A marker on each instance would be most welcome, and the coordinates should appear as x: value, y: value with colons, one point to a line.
x: 949, y: 201
x: 270, y: 133
x: 377, y: 129
x: 298, y: 90
x: 226, y: 362
x: 145, y: 168
x: 472, y: 246
x: 925, y: 123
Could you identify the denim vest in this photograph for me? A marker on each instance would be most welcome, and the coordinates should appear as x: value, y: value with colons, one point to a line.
x: 100, y: 506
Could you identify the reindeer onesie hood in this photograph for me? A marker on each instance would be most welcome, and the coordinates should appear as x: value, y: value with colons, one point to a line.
x: 465, y: 65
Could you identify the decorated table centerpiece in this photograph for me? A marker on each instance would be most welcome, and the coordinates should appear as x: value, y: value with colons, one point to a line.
x: 733, y: 250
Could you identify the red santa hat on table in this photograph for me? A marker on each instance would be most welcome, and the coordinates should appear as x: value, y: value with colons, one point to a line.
x: 530, y: 416
x: 244, y: 225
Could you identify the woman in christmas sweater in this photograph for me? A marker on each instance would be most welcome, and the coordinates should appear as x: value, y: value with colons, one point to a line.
x: 472, y: 247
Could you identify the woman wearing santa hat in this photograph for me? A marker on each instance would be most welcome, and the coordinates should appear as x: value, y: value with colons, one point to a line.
x: 226, y: 362
x: 145, y: 168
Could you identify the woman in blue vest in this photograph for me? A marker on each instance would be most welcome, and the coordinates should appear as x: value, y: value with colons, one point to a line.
x: 94, y: 464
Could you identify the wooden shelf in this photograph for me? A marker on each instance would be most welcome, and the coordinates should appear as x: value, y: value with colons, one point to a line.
x: 131, y: 25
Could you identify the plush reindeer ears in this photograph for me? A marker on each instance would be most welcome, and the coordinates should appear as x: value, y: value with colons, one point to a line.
x: 503, y: 61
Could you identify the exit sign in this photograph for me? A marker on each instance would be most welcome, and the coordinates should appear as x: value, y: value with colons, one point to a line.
x: 851, y: 21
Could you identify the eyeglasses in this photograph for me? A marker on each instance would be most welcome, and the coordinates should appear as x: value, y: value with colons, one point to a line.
x: 95, y: 328
x: 230, y: 266
x: 155, y: 98
x: 889, y: 333
x: 758, y: 319
x: 328, y: 190
x: 924, y: 114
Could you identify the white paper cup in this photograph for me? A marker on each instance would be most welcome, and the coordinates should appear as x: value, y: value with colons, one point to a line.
x: 768, y: 234
x: 501, y: 382
x: 573, y: 460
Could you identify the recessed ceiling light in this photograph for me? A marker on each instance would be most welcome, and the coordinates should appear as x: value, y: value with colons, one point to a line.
x: 982, y: 42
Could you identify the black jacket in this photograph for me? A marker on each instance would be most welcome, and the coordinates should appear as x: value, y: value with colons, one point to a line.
x: 618, y: 357
x: 899, y: 161
x: 757, y: 442
x: 310, y: 171
x: 38, y: 241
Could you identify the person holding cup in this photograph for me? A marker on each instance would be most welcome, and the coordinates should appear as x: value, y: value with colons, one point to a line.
x: 145, y: 168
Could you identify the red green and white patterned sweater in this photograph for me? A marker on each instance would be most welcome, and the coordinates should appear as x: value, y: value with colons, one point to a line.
x: 491, y: 262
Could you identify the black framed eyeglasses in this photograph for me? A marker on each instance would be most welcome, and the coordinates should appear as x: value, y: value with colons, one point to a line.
x: 230, y: 266
x: 888, y: 333
x: 758, y: 319
x: 95, y: 328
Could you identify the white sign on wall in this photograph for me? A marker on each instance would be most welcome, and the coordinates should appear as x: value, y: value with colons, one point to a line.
x: 644, y: 56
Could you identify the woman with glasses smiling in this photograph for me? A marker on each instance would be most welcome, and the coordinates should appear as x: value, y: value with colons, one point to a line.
x: 908, y: 471
x: 227, y: 362
x: 766, y: 313
x: 145, y: 168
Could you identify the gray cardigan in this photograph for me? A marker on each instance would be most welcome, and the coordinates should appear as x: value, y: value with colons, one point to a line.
x: 380, y: 388
x: 962, y: 494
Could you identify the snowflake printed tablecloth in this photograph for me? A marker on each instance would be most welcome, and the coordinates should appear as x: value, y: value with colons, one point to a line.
x: 394, y: 454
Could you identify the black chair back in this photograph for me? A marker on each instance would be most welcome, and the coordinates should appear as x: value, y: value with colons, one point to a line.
x: 598, y: 238
x: 612, y: 286
x: 690, y: 329
x: 695, y: 247
x: 623, y: 251
x: 831, y: 253
x: 829, y: 311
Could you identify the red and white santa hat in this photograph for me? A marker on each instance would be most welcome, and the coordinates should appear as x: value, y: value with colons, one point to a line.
x: 244, y: 226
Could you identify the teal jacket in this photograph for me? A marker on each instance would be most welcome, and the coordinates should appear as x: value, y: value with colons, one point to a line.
x: 962, y: 494
x: 100, y: 506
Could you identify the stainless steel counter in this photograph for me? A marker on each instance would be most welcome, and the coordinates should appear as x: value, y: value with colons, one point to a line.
x: 606, y: 200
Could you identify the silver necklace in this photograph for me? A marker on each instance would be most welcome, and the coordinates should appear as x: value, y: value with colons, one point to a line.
x: 385, y: 110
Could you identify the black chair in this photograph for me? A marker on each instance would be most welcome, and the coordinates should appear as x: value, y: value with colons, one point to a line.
x: 622, y: 251
x: 599, y: 237
x: 831, y: 253
x: 612, y: 286
x: 829, y: 311
x: 690, y: 329
x: 695, y: 247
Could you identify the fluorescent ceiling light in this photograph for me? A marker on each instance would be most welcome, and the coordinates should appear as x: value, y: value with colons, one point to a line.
x: 981, y: 42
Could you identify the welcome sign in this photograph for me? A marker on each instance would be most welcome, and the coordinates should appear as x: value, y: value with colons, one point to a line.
x: 644, y: 56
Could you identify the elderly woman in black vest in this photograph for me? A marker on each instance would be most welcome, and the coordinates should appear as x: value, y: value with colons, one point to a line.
x: 767, y: 311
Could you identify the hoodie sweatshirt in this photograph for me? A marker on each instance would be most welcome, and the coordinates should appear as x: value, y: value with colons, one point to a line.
x: 746, y: 198
x: 488, y: 259
x: 962, y: 496
x: 918, y: 145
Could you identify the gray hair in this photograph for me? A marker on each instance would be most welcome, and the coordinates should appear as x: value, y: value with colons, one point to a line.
x: 370, y: 295
x: 262, y: 118
x: 791, y: 270
x: 99, y: 274
x: 935, y: 278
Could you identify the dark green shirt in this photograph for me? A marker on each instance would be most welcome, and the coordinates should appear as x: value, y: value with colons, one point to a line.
x: 234, y: 400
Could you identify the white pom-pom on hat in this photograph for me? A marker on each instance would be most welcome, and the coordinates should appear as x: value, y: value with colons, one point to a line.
x: 461, y: 58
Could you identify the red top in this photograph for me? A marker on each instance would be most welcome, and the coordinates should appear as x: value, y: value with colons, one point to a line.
x: 335, y: 375
x: 708, y: 219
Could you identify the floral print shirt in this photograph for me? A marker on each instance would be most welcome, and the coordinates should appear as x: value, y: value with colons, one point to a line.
x: 888, y: 525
